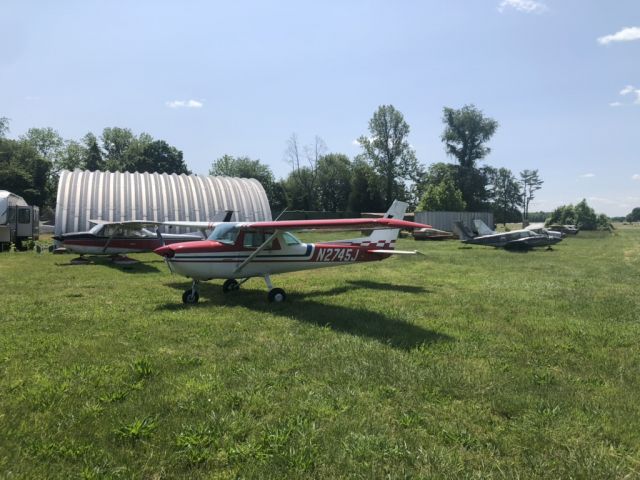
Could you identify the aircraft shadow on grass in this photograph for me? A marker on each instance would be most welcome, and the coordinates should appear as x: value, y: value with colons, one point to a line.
x: 358, y: 321
x: 138, y: 267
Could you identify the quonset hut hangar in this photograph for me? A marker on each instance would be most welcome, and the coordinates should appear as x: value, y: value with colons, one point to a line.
x: 120, y: 196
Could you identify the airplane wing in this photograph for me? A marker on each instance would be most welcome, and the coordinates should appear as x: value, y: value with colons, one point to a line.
x: 340, y: 224
x: 135, y: 224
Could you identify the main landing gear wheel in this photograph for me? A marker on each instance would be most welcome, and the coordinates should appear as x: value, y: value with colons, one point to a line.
x: 190, y: 297
x: 230, y: 285
x: 277, y: 295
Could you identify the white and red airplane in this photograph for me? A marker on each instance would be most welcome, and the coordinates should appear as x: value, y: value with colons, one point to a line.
x: 131, y: 236
x: 239, y: 251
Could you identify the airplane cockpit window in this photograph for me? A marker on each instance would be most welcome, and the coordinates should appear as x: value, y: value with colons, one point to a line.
x: 290, y: 239
x: 225, y: 233
x: 112, y: 231
x: 255, y: 239
x: 97, y: 228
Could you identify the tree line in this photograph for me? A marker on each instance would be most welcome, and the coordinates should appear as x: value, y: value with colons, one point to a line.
x: 30, y: 165
x: 318, y: 180
x: 387, y: 168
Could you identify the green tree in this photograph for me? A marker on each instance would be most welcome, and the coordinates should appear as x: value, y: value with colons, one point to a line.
x: 465, y: 136
x: 115, y: 143
x: 298, y: 196
x: 531, y: 183
x: 245, y: 167
x: 23, y: 171
x: 388, y: 150
x: 93, y: 160
x: 334, y: 182
x: 563, y: 215
x: 4, y: 127
x: 505, y: 193
x: 442, y: 197
x: 634, y: 216
x: 366, y: 188
x: 72, y: 156
x: 302, y: 182
x: 586, y: 217
x: 159, y: 156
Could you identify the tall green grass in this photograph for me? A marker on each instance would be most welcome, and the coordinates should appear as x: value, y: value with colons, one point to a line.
x: 463, y: 362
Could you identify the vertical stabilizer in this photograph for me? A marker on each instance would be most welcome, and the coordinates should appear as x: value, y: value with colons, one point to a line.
x: 461, y: 230
x: 482, y: 227
x: 383, y: 238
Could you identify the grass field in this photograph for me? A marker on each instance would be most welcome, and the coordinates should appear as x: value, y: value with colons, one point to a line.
x: 464, y: 362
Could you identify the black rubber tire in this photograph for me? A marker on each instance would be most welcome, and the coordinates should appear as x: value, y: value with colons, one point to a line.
x: 276, y: 295
x: 230, y: 285
x: 190, y: 298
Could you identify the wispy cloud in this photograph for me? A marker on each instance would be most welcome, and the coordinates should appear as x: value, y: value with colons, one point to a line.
x: 184, y: 104
x: 628, y: 90
x: 525, y: 6
x: 608, y: 201
x: 588, y: 175
x: 636, y: 177
x: 627, y: 34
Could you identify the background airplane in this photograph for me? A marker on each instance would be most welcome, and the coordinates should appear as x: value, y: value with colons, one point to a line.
x: 516, y: 239
x: 239, y: 251
x: 118, y: 238
x: 538, y: 228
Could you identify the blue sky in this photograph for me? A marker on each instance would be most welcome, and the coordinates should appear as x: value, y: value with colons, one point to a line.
x: 562, y: 77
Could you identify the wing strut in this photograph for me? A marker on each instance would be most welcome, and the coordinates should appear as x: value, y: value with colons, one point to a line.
x: 256, y: 252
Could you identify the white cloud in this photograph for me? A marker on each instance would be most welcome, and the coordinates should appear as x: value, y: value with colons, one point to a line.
x: 627, y: 34
x: 635, y: 177
x: 588, y: 175
x: 628, y: 90
x: 184, y: 104
x: 526, y: 6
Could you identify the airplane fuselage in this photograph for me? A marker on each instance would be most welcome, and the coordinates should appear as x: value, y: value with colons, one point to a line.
x: 88, y: 243
x: 208, y: 259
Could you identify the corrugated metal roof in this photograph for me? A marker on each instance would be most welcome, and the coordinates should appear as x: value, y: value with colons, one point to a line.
x: 119, y: 196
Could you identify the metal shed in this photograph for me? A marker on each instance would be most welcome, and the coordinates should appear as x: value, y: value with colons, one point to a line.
x: 119, y: 196
x: 444, y: 220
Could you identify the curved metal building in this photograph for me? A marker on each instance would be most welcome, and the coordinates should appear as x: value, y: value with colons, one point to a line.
x: 119, y: 196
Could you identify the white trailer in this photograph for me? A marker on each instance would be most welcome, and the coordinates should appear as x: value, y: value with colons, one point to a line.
x: 19, y: 221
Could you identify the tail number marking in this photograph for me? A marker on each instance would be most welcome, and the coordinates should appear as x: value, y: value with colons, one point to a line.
x: 338, y: 254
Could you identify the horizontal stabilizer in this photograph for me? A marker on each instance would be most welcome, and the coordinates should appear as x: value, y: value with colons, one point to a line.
x: 395, y: 252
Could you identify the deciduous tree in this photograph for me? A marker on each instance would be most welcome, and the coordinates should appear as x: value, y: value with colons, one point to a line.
x: 506, y: 195
x: 465, y: 136
x: 388, y: 150
x: 531, y: 183
x: 334, y: 182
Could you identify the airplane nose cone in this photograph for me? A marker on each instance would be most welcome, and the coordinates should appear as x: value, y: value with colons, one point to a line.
x: 165, y: 251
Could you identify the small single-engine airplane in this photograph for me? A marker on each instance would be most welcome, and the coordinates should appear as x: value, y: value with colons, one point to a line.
x: 131, y: 236
x: 516, y: 239
x: 239, y: 251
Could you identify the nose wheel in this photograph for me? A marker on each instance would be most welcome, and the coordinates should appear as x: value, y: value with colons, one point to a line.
x: 275, y: 295
x: 191, y: 296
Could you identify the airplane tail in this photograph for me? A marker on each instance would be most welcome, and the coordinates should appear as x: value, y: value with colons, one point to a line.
x: 384, y: 239
x: 482, y: 227
x: 462, y: 231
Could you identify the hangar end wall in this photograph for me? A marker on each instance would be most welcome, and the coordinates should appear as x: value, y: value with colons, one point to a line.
x: 119, y: 196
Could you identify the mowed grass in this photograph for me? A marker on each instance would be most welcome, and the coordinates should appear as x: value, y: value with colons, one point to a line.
x: 463, y: 362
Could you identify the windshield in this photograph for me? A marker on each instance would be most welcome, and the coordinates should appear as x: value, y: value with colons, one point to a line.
x: 225, y: 233
x: 289, y: 239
